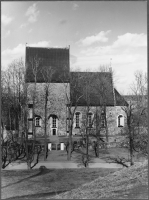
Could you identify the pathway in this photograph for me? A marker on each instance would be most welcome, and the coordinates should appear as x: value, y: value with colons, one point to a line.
x: 61, y: 165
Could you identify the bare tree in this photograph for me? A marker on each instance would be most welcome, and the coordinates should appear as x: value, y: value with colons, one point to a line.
x: 136, y: 131
x: 31, y: 148
x: 47, y: 73
x: 72, y: 98
x: 14, y: 110
x: 12, y: 149
x: 13, y: 94
x: 86, y: 125
x: 139, y: 89
x: 103, y: 91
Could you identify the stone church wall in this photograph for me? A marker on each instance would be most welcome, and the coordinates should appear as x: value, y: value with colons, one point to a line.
x: 56, y: 105
x: 115, y: 133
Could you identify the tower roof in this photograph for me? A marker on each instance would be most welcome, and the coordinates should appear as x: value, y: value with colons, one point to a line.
x: 50, y: 64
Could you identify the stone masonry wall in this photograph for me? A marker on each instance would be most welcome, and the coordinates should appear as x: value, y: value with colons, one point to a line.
x: 56, y: 105
x: 114, y: 132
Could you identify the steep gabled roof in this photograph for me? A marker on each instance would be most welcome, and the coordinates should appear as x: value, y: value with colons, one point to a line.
x: 91, y: 88
x: 51, y: 60
x: 120, y: 100
x: 135, y: 97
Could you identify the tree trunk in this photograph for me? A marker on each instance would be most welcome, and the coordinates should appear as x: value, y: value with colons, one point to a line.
x: 87, y: 156
x: 131, y: 150
x: 70, y: 136
x: 106, y: 125
x: 97, y: 134
x: 69, y: 151
x: 29, y: 165
x: 69, y: 145
x: 97, y: 148
x: 45, y: 134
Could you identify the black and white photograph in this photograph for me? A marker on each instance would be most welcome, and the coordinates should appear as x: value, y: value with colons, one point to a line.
x: 74, y: 114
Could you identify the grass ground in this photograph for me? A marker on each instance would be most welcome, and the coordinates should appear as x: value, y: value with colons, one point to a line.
x: 42, y: 184
x: 104, y: 153
x: 85, y: 183
x: 128, y: 183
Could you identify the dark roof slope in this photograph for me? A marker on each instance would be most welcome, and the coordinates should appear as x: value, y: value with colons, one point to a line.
x: 91, y: 88
x: 53, y: 61
x: 135, y: 97
x: 120, y: 101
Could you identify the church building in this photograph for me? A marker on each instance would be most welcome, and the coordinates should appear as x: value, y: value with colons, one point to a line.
x: 58, y: 98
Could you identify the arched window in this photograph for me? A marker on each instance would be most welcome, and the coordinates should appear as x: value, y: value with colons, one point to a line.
x: 77, y: 119
x: 30, y: 126
x: 53, y: 124
x: 120, y: 121
x: 37, y: 121
x: 103, y: 123
x: 90, y: 120
x: 30, y: 111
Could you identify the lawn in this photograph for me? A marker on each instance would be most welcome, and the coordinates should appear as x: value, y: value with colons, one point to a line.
x: 128, y: 183
x: 104, y: 153
x: 50, y: 182
x: 84, y: 183
x: 41, y: 184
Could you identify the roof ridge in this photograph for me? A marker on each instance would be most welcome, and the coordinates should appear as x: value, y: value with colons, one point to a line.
x: 48, y: 47
x: 90, y: 72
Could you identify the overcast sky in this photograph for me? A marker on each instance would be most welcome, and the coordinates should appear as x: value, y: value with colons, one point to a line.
x: 98, y: 33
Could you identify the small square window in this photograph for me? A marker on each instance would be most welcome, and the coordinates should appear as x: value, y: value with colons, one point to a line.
x: 58, y: 147
x: 53, y: 147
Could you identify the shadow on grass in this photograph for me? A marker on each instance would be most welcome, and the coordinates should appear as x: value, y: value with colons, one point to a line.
x: 40, y: 195
x: 42, y: 172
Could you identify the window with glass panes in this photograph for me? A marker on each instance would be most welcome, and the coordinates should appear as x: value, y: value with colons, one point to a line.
x: 54, y: 122
x: 90, y: 119
x: 37, y: 121
x: 103, y: 119
x: 77, y: 120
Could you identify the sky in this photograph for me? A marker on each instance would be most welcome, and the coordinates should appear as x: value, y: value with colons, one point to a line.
x: 100, y: 33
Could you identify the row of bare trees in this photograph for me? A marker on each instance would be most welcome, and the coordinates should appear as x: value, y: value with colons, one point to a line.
x: 89, y: 82
x: 15, y: 144
x: 137, y: 116
x: 14, y: 113
x: 136, y: 131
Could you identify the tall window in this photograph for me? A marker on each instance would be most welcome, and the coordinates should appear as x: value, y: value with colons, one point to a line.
x: 54, y: 122
x: 103, y: 124
x: 77, y: 120
x: 120, y: 121
x: 90, y: 120
x: 30, y: 125
x: 30, y: 111
x: 37, y: 121
x: 53, y: 119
